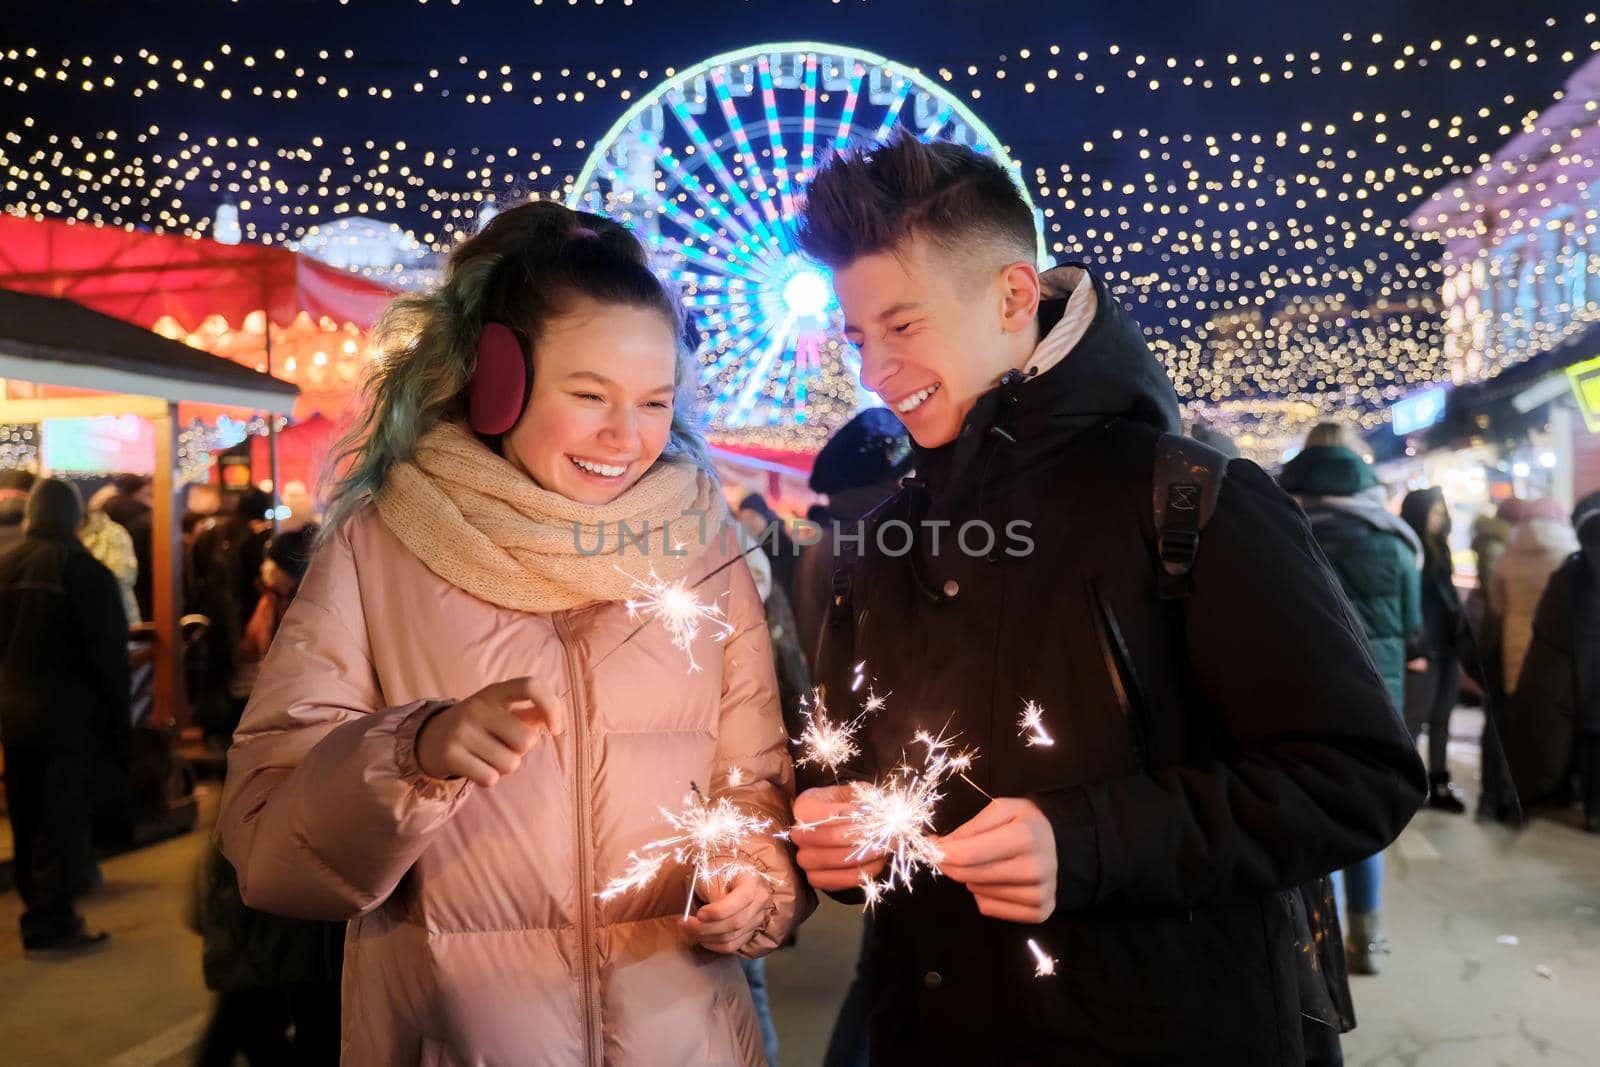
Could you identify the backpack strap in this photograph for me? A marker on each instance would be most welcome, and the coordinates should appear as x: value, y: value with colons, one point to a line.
x: 1187, y: 481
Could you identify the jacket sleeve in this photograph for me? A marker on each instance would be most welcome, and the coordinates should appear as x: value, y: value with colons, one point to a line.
x: 325, y: 809
x: 1319, y: 770
x: 753, y: 751
x: 1410, y: 600
x: 103, y: 631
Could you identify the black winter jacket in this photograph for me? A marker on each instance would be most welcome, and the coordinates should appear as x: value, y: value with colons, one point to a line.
x: 1212, y: 754
x: 1558, y: 691
x: 64, y: 676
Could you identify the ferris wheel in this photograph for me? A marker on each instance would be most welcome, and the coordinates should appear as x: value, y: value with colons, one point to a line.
x: 707, y: 168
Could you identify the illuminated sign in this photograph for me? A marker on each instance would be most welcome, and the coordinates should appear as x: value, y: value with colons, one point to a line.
x: 1418, y: 411
x: 1585, y: 381
x: 108, y: 444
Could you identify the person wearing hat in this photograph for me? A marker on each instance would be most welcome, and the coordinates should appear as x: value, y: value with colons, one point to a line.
x: 14, y: 486
x: 64, y: 691
x: 287, y: 557
x: 859, y: 468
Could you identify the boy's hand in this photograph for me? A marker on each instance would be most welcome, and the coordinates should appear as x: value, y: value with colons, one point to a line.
x: 1006, y: 857
x: 823, y: 848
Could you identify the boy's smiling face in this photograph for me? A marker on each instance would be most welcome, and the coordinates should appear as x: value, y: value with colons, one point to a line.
x: 935, y: 332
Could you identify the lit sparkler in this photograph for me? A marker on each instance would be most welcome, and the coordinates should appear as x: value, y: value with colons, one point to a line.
x: 708, y: 833
x: 824, y: 742
x: 895, y: 818
x: 1044, y: 963
x: 680, y: 611
x: 944, y: 759
x: 1032, y: 724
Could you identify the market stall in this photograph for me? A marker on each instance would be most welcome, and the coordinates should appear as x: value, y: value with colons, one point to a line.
x: 60, y: 361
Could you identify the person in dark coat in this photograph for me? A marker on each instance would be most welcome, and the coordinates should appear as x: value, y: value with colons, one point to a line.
x: 1215, y: 752
x: 14, y: 486
x: 1553, y: 723
x: 1433, y: 684
x: 132, y: 508
x: 276, y: 979
x: 64, y: 694
x: 227, y: 567
x: 1377, y: 558
x: 859, y: 468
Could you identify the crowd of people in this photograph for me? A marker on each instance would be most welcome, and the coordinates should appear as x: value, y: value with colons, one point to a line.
x: 448, y: 731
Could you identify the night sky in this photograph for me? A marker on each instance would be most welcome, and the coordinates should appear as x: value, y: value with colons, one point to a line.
x: 1106, y: 200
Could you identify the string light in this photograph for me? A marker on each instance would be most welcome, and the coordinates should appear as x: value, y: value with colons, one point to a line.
x: 1272, y: 268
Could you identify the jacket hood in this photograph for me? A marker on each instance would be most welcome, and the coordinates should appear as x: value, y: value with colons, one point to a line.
x: 1329, y: 514
x: 55, y: 510
x: 1107, y: 372
x: 1110, y: 369
x: 1327, y: 470
x: 1589, y: 533
x: 1542, y: 536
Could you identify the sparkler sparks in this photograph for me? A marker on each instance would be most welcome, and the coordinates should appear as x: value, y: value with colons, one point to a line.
x: 1032, y: 725
x: 944, y: 760
x: 895, y: 818
x: 679, y: 611
x: 824, y: 742
x: 709, y: 833
x: 1044, y: 963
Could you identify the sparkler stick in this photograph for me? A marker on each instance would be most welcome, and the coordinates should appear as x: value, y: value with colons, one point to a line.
x: 681, y: 613
x: 697, y: 605
x: 707, y: 832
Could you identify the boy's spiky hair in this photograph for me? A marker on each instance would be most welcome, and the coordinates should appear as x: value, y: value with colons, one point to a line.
x: 874, y: 199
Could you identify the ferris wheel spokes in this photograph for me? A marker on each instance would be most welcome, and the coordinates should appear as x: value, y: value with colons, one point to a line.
x: 780, y: 154
x: 708, y: 202
x: 714, y: 159
x: 742, y: 142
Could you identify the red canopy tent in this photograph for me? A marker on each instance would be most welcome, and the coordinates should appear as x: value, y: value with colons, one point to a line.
x: 142, y: 277
x: 267, y: 308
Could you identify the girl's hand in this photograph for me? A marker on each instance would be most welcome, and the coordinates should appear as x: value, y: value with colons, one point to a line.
x: 484, y: 737
x: 732, y: 916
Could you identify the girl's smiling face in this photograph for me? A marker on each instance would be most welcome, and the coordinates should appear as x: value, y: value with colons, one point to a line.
x: 600, y: 413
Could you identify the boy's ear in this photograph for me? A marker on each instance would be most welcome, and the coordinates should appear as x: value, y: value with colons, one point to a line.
x: 1019, y: 284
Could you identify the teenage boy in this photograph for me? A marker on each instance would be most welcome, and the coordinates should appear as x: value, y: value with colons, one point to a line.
x: 1221, y: 735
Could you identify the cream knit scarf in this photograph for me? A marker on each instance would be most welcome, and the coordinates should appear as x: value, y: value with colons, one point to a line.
x: 486, y: 528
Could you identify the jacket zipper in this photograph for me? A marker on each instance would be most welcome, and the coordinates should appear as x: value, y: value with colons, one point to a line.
x: 580, y: 762
x: 1114, y: 652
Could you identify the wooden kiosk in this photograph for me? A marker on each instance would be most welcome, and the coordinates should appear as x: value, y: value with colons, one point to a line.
x: 61, y: 360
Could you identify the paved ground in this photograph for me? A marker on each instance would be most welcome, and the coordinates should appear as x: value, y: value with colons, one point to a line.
x: 1496, y: 959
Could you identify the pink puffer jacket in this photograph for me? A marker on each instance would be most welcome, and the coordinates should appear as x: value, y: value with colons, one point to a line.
x: 476, y: 935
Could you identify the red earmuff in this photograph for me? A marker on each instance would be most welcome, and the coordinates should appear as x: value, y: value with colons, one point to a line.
x: 502, y: 381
